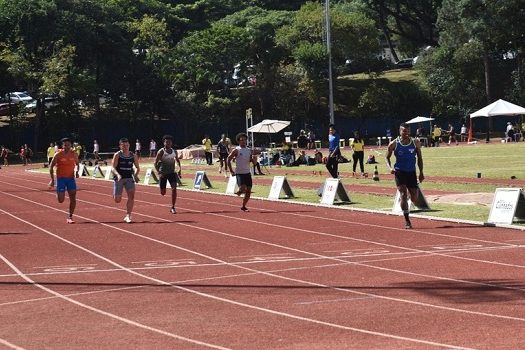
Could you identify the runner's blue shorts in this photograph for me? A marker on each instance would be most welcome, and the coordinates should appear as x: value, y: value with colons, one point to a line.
x: 66, y: 184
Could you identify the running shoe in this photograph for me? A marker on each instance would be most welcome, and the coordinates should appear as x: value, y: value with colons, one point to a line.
x: 127, y: 219
x: 408, y: 225
x: 173, y: 210
x: 70, y: 221
x: 243, y: 208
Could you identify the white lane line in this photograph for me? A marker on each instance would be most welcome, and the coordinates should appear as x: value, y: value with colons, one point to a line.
x: 331, y: 301
x: 10, y: 345
x: 147, y: 191
x: 303, y: 281
x: 397, y: 256
x: 343, y: 237
x: 206, y: 295
x: 102, y: 312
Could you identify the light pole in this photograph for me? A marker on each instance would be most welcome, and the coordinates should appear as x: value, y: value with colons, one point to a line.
x: 249, y: 123
x: 329, y: 52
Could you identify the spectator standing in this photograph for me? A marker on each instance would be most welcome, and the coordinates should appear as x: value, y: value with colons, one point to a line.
x: 464, y: 132
x: 152, y: 148
x: 206, y: 142
x: 509, y: 132
x: 96, y: 149
x: 165, y: 164
x: 4, y: 153
x: 451, y: 135
x: 21, y: 153
x: 223, y: 148
x: 334, y: 152
x: 78, y: 149
x: 50, y: 152
x: 358, y: 146
x: 302, y: 140
x: 311, y: 140
x: 138, y: 148
x: 406, y: 150
x: 242, y: 156
x: 124, y: 176
x: 436, y: 136
x: 66, y: 160
x: 28, y: 153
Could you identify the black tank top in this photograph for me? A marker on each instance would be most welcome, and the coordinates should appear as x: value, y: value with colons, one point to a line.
x: 125, y: 165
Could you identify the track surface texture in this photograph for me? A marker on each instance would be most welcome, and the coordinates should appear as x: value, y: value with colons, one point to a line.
x: 280, y: 276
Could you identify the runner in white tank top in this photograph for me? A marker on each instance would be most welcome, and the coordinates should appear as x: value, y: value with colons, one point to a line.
x: 242, y: 156
x: 166, y: 163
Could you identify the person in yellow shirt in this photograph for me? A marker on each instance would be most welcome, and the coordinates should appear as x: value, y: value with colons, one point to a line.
x: 206, y: 142
x: 78, y: 149
x: 436, y: 136
x: 358, y: 146
x: 50, y: 152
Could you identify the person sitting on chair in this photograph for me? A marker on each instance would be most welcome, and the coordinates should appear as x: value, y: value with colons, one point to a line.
x: 302, y: 159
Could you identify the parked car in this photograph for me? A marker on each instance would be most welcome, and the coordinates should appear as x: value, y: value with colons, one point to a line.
x: 6, y: 108
x: 48, y: 102
x: 18, y: 97
x: 406, y: 63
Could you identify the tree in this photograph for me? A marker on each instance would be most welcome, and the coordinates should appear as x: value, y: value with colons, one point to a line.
x: 354, y: 37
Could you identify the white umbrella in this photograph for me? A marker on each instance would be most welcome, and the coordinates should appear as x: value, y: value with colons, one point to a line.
x: 419, y: 120
x: 269, y: 126
x: 500, y: 107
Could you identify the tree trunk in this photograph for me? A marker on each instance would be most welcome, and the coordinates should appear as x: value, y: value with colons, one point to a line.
x: 386, y: 33
x: 38, y: 122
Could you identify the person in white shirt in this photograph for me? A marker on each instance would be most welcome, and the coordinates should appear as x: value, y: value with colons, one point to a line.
x: 96, y: 149
x: 152, y: 148
x: 464, y: 132
x: 138, y: 147
x: 242, y: 156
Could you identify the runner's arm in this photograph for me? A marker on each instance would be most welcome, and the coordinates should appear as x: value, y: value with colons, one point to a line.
x: 137, y: 165
x: 77, y: 163
x: 52, y: 170
x: 114, y: 163
x: 389, y: 152
x: 419, y: 161
x: 231, y: 157
x: 178, y: 162
x: 157, y: 160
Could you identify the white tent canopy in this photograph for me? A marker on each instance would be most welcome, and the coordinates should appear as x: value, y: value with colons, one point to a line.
x: 419, y: 120
x: 269, y: 126
x: 500, y: 107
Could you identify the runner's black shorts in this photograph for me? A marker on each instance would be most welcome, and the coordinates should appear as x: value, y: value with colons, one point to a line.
x: 172, y: 178
x: 244, y: 179
x: 223, y: 156
x: 407, y: 178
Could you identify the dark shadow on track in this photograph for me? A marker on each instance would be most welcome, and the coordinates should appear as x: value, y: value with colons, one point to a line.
x: 450, y: 292
x: 446, y: 227
x: 14, y: 233
x: 461, y: 293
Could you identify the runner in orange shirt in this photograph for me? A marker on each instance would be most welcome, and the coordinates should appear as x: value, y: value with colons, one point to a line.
x: 65, y: 160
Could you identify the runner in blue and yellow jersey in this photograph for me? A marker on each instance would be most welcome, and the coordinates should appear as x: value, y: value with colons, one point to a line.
x: 407, y: 151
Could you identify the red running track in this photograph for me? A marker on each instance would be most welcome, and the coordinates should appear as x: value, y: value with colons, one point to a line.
x: 281, y: 276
